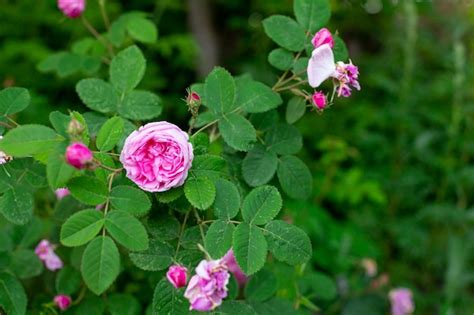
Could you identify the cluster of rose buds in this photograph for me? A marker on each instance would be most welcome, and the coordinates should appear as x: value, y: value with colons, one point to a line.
x: 45, y: 252
x: 4, y: 158
x: 72, y: 8
x: 79, y: 155
x: 321, y: 66
x: 63, y: 302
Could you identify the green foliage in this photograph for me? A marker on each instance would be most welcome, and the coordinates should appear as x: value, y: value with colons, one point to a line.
x: 219, y: 238
x: 13, y: 100
x: 126, y: 230
x: 158, y: 256
x: 281, y: 59
x: 168, y: 300
x: 89, y: 190
x: 259, y: 165
x: 127, y: 69
x: 285, y: 32
x: 261, y: 205
x: 250, y: 248
x: 12, y: 295
x: 227, y: 201
x: 29, y: 140
x: 200, y: 192
x: 295, y: 177
x: 81, y: 227
x: 110, y: 134
x: 131, y: 200
x: 312, y: 14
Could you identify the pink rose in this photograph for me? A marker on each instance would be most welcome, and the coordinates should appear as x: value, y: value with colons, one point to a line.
x: 177, y: 276
x: 78, y: 155
x: 157, y: 156
x: 402, y: 301
x: 319, y: 100
x: 72, y: 8
x: 45, y: 252
x: 63, y: 302
x: 61, y: 193
x: 323, y: 36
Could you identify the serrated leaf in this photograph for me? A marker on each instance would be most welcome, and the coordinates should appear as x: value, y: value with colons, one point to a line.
x: 142, y: 30
x: 200, y: 192
x: 68, y: 281
x: 140, y: 105
x: 13, y: 100
x: 27, y: 140
x: 285, y: 32
x: 284, y: 139
x: 81, y: 227
x: 110, y: 134
x: 227, y: 202
x: 158, y: 256
x: 219, y: 90
x: 100, y: 264
x: 259, y: 166
x: 163, y: 226
x: 312, y: 14
x: 295, y: 109
x: 168, y: 300
x: 12, y: 295
x: 250, y: 248
x: 261, y: 205
x: 60, y: 122
x: 256, y: 97
x: 210, y: 166
x: 281, y: 59
x: 235, y: 308
x: 16, y: 205
x: 288, y: 243
x: 264, y: 121
x: 237, y: 131
x: 340, y: 49
x: 261, y: 286
x: 295, y: 177
x: 126, y: 230
x: 218, y: 239
x: 88, y: 190
x: 123, y: 304
x: 98, y: 95
x: 130, y: 199
x: 170, y: 195
x: 58, y: 171
x: 127, y: 69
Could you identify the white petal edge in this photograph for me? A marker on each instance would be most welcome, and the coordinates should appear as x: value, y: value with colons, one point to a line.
x: 321, y: 65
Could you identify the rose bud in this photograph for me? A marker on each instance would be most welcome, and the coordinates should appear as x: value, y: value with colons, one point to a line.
x: 319, y: 100
x: 177, y: 276
x: 193, y: 98
x: 75, y: 128
x: 72, y: 8
x: 323, y: 36
x: 78, y: 155
x: 61, y: 193
x: 63, y: 302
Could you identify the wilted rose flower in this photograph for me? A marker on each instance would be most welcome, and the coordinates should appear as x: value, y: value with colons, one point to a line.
x: 72, y: 8
x: 78, y: 155
x: 402, y: 301
x: 348, y: 76
x: 61, y: 193
x: 45, y: 252
x: 63, y: 302
x: 319, y: 100
x: 177, y: 275
x: 4, y: 158
x: 157, y: 156
x: 232, y: 266
x: 208, y: 287
x: 321, y: 65
x: 323, y: 36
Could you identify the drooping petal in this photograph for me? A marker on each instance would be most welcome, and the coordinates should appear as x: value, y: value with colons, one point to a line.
x: 321, y: 65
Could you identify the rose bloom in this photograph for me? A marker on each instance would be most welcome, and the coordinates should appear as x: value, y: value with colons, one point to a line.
x: 402, y: 301
x: 177, y: 276
x: 157, y: 157
x: 63, y: 302
x: 72, y: 8
x: 45, y: 252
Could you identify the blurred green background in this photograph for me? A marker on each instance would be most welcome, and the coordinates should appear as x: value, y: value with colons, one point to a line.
x: 392, y: 165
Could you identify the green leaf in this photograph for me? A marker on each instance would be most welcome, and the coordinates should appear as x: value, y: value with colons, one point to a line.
x: 91, y: 305
x: 288, y: 243
x: 126, y: 230
x: 259, y: 166
x: 58, y: 171
x: 235, y: 308
x: 312, y: 14
x: 85, y: 133
x: 256, y: 97
x: 60, y: 122
x: 12, y: 295
x: 13, y: 100
x: 168, y: 300
x: 318, y: 285
x: 106, y: 160
x: 142, y: 30
x: 295, y: 109
x: 250, y: 248
x: 81, y: 227
x: 285, y: 32
x: 227, y: 202
x: 28, y: 140
x: 274, y: 306
x: 237, y: 131
x: 163, y: 226
x: 100, y: 264
x: 200, y: 192
x: 88, y: 190
x: 261, y: 286
x: 261, y: 205
x: 284, y: 139
x: 295, y: 177
x: 68, y: 281
x: 170, y: 195
x: 264, y: 121
x: 218, y: 239
x: 98, y: 95
x: 110, y: 134
x: 219, y: 89
x: 123, y: 304
x: 281, y: 59
x: 130, y: 199
x: 210, y: 166
x: 140, y: 105
x: 340, y: 49
x: 158, y: 256
x: 16, y: 205
x: 25, y: 264
x: 127, y: 69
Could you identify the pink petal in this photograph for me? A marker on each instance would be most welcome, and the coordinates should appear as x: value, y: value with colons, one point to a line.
x: 321, y: 65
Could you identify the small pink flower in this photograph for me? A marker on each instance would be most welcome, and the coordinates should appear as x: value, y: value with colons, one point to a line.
x: 231, y: 263
x: 61, y: 193
x: 402, y: 301
x: 347, y: 76
x: 63, y: 302
x: 323, y: 36
x: 45, y: 252
x: 78, y: 155
x: 177, y: 276
x: 72, y: 8
x: 4, y: 158
x: 157, y: 157
x: 208, y: 287
x: 319, y: 100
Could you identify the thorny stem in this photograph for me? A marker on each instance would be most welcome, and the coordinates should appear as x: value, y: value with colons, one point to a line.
x: 96, y: 34
x: 181, y: 234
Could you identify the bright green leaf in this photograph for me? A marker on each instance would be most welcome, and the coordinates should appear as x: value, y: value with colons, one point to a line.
x: 127, y: 69
x: 250, y: 248
x: 28, y: 140
x: 142, y: 30
x: 13, y: 100
x: 256, y: 97
x: 130, y: 199
x: 200, y: 192
x: 16, y: 205
x: 281, y: 59
x: 110, y: 134
x: 88, y: 190
x: 227, y: 202
x: 261, y: 205
x: 312, y: 14
x: 98, y: 95
x: 237, y: 131
x: 285, y: 32
x: 295, y: 109
x: 168, y: 300
x: 259, y: 166
x: 12, y: 295
x: 219, y: 89
x: 81, y: 227
x: 218, y: 239
x: 295, y: 177
x: 127, y: 230
x: 140, y: 105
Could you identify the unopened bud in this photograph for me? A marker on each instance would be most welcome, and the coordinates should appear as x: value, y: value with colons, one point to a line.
x: 75, y: 128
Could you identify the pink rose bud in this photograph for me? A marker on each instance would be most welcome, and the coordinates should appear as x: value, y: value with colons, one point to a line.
x: 157, y: 156
x: 319, y: 100
x: 61, y: 193
x: 323, y: 36
x: 177, y: 276
x: 63, y: 302
x: 402, y: 301
x: 75, y: 128
x: 78, y: 155
x: 72, y: 8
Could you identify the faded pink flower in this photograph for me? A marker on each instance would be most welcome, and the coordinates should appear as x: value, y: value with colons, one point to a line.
x: 63, y: 302
x: 402, y: 301
x: 347, y: 76
x: 72, y: 8
x: 232, y: 266
x: 61, y: 193
x: 4, y: 158
x: 178, y: 276
x: 45, y: 252
x: 208, y: 287
x: 319, y: 100
x: 157, y: 156
x: 78, y: 155
x: 321, y: 65
x: 323, y: 36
